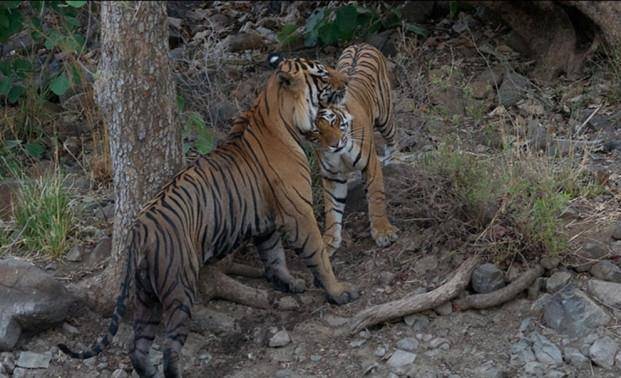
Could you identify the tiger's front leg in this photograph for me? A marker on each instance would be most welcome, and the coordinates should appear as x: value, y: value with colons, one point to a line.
x: 305, y: 237
x: 272, y: 254
x: 382, y: 231
x: 334, y: 198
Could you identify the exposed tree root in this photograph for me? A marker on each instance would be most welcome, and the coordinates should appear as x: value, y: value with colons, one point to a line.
x: 500, y: 296
x: 415, y: 303
x: 215, y: 283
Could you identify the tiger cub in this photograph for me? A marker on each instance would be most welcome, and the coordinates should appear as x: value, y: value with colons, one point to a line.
x: 368, y: 106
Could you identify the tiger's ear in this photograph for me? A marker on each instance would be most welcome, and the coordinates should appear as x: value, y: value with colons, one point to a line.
x: 285, y: 79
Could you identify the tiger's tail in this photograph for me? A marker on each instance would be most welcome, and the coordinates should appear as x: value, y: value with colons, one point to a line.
x: 119, y: 311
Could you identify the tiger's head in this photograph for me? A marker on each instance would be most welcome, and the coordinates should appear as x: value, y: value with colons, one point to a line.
x: 333, y: 129
x: 306, y: 85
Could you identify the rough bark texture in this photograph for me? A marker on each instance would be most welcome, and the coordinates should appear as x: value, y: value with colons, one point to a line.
x: 415, y: 302
x: 136, y: 95
x: 500, y: 296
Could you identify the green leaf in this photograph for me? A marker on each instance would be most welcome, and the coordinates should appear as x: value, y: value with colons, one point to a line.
x: 346, y: 21
x: 15, y: 24
x: 4, y: 20
x: 72, y: 21
x: 204, y: 141
x: 5, y: 86
x: 60, y: 84
x: 76, y: 4
x: 287, y: 34
x: 13, y: 4
x: 15, y: 93
x: 453, y: 8
x: 21, y: 67
x: 53, y: 39
x: 329, y: 33
x: 416, y: 29
x: 35, y: 149
x: 180, y: 103
x: 12, y: 143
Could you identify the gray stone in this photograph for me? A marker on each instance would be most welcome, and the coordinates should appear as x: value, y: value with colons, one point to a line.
x: 75, y: 254
x: 357, y: 343
x: 286, y: 373
x: 32, y: 360
x: 242, y: 41
x: 315, y: 357
x: 408, y: 344
x: 607, y: 292
x: 29, y: 297
x: 380, y: 351
x: 572, y: 312
x: 70, y: 329
x: 574, y: 357
x: 557, y: 281
x: 522, y: 353
x: 550, y: 262
x: 20, y: 373
x: 386, y: 278
x: 545, y: 351
x: 616, y: 231
x: 607, y: 271
x: 99, y: 254
x: 9, y: 332
x: 120, y: 373
x: 488, y: 370
x: 534, y: 368
x: 603, y: 352
x: 417, y: 321
x: 334, y: 321
x: 618, y: 360
x: 589, y: 254
x: 401, y: 358
x: 513, y: 88
x: 439, y: 342
x: 287, y: 303
x: 444, y: 309
x: 487, y: 278
x: 535, y: 288
x: 280, y: 339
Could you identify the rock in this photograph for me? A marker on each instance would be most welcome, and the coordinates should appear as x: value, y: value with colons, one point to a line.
x: 315, y: 357
x: 557, y: 281
x: 407, y: 344
x: 574, y: 357
x: 616, y: 231
x: 401, y: 358
x: 119, y: 373
x: 487, y: 278
x: 522, y: 353
x: 70, y: 329
x: 31, y: 360
x: 488, y: 370
x: 334, y: 321
x: 589, y: 254
x: 618, y: 360
x: 29, y: 297
x: 550, y: 262
x: 439, y: 342
x: 534, y: 369
x: 449, y: 100
x: 287, y: 303
x: 545, y: 351
x: 217, y: 322
x: 535, y: 288
x: 10, y: 330
x: 380, y: 351
x: 384, y: 41
x: 357, y: 343
x: 386, y: 278
x: 100, y: 253
x: 242, y: 41
x: 513, y: 89
x: 538, y: 136
x: 417, y: 321
x: 481, y: 89
x: 603, y: 352
x: 607, y: 292
x: 607, y: 271
x: 444, y: 309
x: 75, y: 254
x: 572, y: 312
x: 280, y: 339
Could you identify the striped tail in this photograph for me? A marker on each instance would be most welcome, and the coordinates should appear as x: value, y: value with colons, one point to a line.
x: 119, y: 311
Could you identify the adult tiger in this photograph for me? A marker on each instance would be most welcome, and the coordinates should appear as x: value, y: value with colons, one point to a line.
x: 369, y: 102
x: 254, y: 186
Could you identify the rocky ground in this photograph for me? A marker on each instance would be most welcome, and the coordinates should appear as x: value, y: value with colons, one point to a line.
x: 458, y: 82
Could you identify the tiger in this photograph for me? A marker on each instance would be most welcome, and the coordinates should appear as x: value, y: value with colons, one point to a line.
x: 369, y: 104
x: 255, y: 186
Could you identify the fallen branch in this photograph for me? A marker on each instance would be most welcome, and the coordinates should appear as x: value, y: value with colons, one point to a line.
x: 415, y: 302
x: 500, y: 296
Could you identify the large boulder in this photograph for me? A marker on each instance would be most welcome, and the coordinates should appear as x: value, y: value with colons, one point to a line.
x: 30, y: 299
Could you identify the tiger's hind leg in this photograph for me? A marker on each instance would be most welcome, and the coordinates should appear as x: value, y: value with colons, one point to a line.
x: 389, y: 133
x: 177, y: 313
x: 147, y: 317
x: 272, y: 254
x: 382, y: 231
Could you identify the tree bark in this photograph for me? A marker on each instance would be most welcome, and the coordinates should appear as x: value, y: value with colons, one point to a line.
x: 136, y: 95
x: 605, y: 14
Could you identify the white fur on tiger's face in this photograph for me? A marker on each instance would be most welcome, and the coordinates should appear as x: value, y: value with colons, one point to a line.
x: 332, y: 129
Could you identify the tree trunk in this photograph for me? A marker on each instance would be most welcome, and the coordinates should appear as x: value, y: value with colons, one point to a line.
x: 605, y: 14
x: 136, y: 95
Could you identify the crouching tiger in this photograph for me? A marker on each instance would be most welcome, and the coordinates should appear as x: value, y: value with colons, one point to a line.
x: 254, y: 186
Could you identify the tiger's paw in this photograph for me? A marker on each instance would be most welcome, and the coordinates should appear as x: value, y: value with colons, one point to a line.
x: 292, y: 285
x: 385, y: 234
x: 345, y: 294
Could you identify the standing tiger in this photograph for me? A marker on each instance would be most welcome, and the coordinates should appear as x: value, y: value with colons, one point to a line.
x: 255, y: 186
x: 369, y: 104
